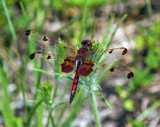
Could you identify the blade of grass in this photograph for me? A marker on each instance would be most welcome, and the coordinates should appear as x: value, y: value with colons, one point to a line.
x: 61, y: 114
x: 93, y: 30
x: 74, y: 110
x: 24, y: 15
x: 55, y: 90
x: 147, y: 111
x: 45, y: 16
x: 6, y: 109
x: 39, y: 115
x: 45, y: 72
x: 102, y: 98
x: 149, y: 8
x: 32, y: 112
x: 21, y: 75
x: 9, y: 21
x: 115, y: 30
x: 50, y: 118
x: 82, y: 28
x: 62, y: 98
x: 24, y: 63
x: 95, y: 110
x: 107, y: 31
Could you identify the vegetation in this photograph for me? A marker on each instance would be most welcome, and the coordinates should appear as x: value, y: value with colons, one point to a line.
x: 28, y: 99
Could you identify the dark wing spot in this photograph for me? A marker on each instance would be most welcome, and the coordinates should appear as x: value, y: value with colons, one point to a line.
x: 112, y: 69
x: 111, y: 51
x: 27, y: 33
x: 49, y: 57
x: 45, y: 38
x: 124, y: 51
x: 32, y: 56
x: 130, y: 75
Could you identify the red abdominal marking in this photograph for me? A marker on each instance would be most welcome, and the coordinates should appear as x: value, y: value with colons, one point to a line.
x: 76, y: 75
x: 75, y: 81
x: 74, y: 86
x: 73, y: 91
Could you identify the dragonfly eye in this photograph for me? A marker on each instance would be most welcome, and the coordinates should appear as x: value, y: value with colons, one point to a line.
x: 86, y: 43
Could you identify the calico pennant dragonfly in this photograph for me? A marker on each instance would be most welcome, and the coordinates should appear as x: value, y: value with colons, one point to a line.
x: 83, y: 65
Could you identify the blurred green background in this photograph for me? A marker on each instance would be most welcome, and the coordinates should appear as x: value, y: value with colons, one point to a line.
x: 28, y: 100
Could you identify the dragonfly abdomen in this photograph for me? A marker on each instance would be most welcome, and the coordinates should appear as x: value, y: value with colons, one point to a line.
x: 75, y: 82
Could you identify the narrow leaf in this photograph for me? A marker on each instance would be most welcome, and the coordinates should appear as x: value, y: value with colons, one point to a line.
x: 102, y: 98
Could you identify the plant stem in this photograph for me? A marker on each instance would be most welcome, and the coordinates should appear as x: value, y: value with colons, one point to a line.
x: 95, y: 110
x: 52, y: 121
x: 5, y: 102
x: 9, y: 21
x: 50, y: 117
x: 115, y: 30
x: 32, y: 112
x: 82, y: 28
x: 55, y: 90
x: 149, y: 8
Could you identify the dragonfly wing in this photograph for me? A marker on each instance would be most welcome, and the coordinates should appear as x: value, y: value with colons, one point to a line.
x: 111, y: 58
x: 44, y: 41
x: 40, y: 40
x: 86, y: 68
x: 68, y: 65
x: 119, y: 70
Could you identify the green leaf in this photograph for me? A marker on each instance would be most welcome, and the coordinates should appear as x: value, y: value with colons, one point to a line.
x: 102, y: 98
x: 140, y: 43
x: 128, y: 105
x: 147, y: 112
x: 152, y: 60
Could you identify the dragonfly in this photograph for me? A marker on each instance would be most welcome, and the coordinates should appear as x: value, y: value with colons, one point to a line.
x: 83, y: 65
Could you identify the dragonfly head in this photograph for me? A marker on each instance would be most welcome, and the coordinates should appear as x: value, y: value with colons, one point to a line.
x: 86, y: 43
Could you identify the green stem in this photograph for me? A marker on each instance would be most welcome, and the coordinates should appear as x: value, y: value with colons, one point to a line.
x: 24, y: 14
x: 95, y: 110
x: 5, y: 102
x: 52, y: 121
x: 39, y: 75
x: 82, y: 28
x: 50, y: 117
x: 32, y: 112
x: 115, y: 30
x: 9, y: 20
x: 149, y: 8
x: 21, y: 76
x: 56, y: 89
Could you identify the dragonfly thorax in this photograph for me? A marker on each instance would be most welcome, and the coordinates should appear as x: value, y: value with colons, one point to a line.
x: 79, y: 58
x: 83, y: 52
x: 86, y: 43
